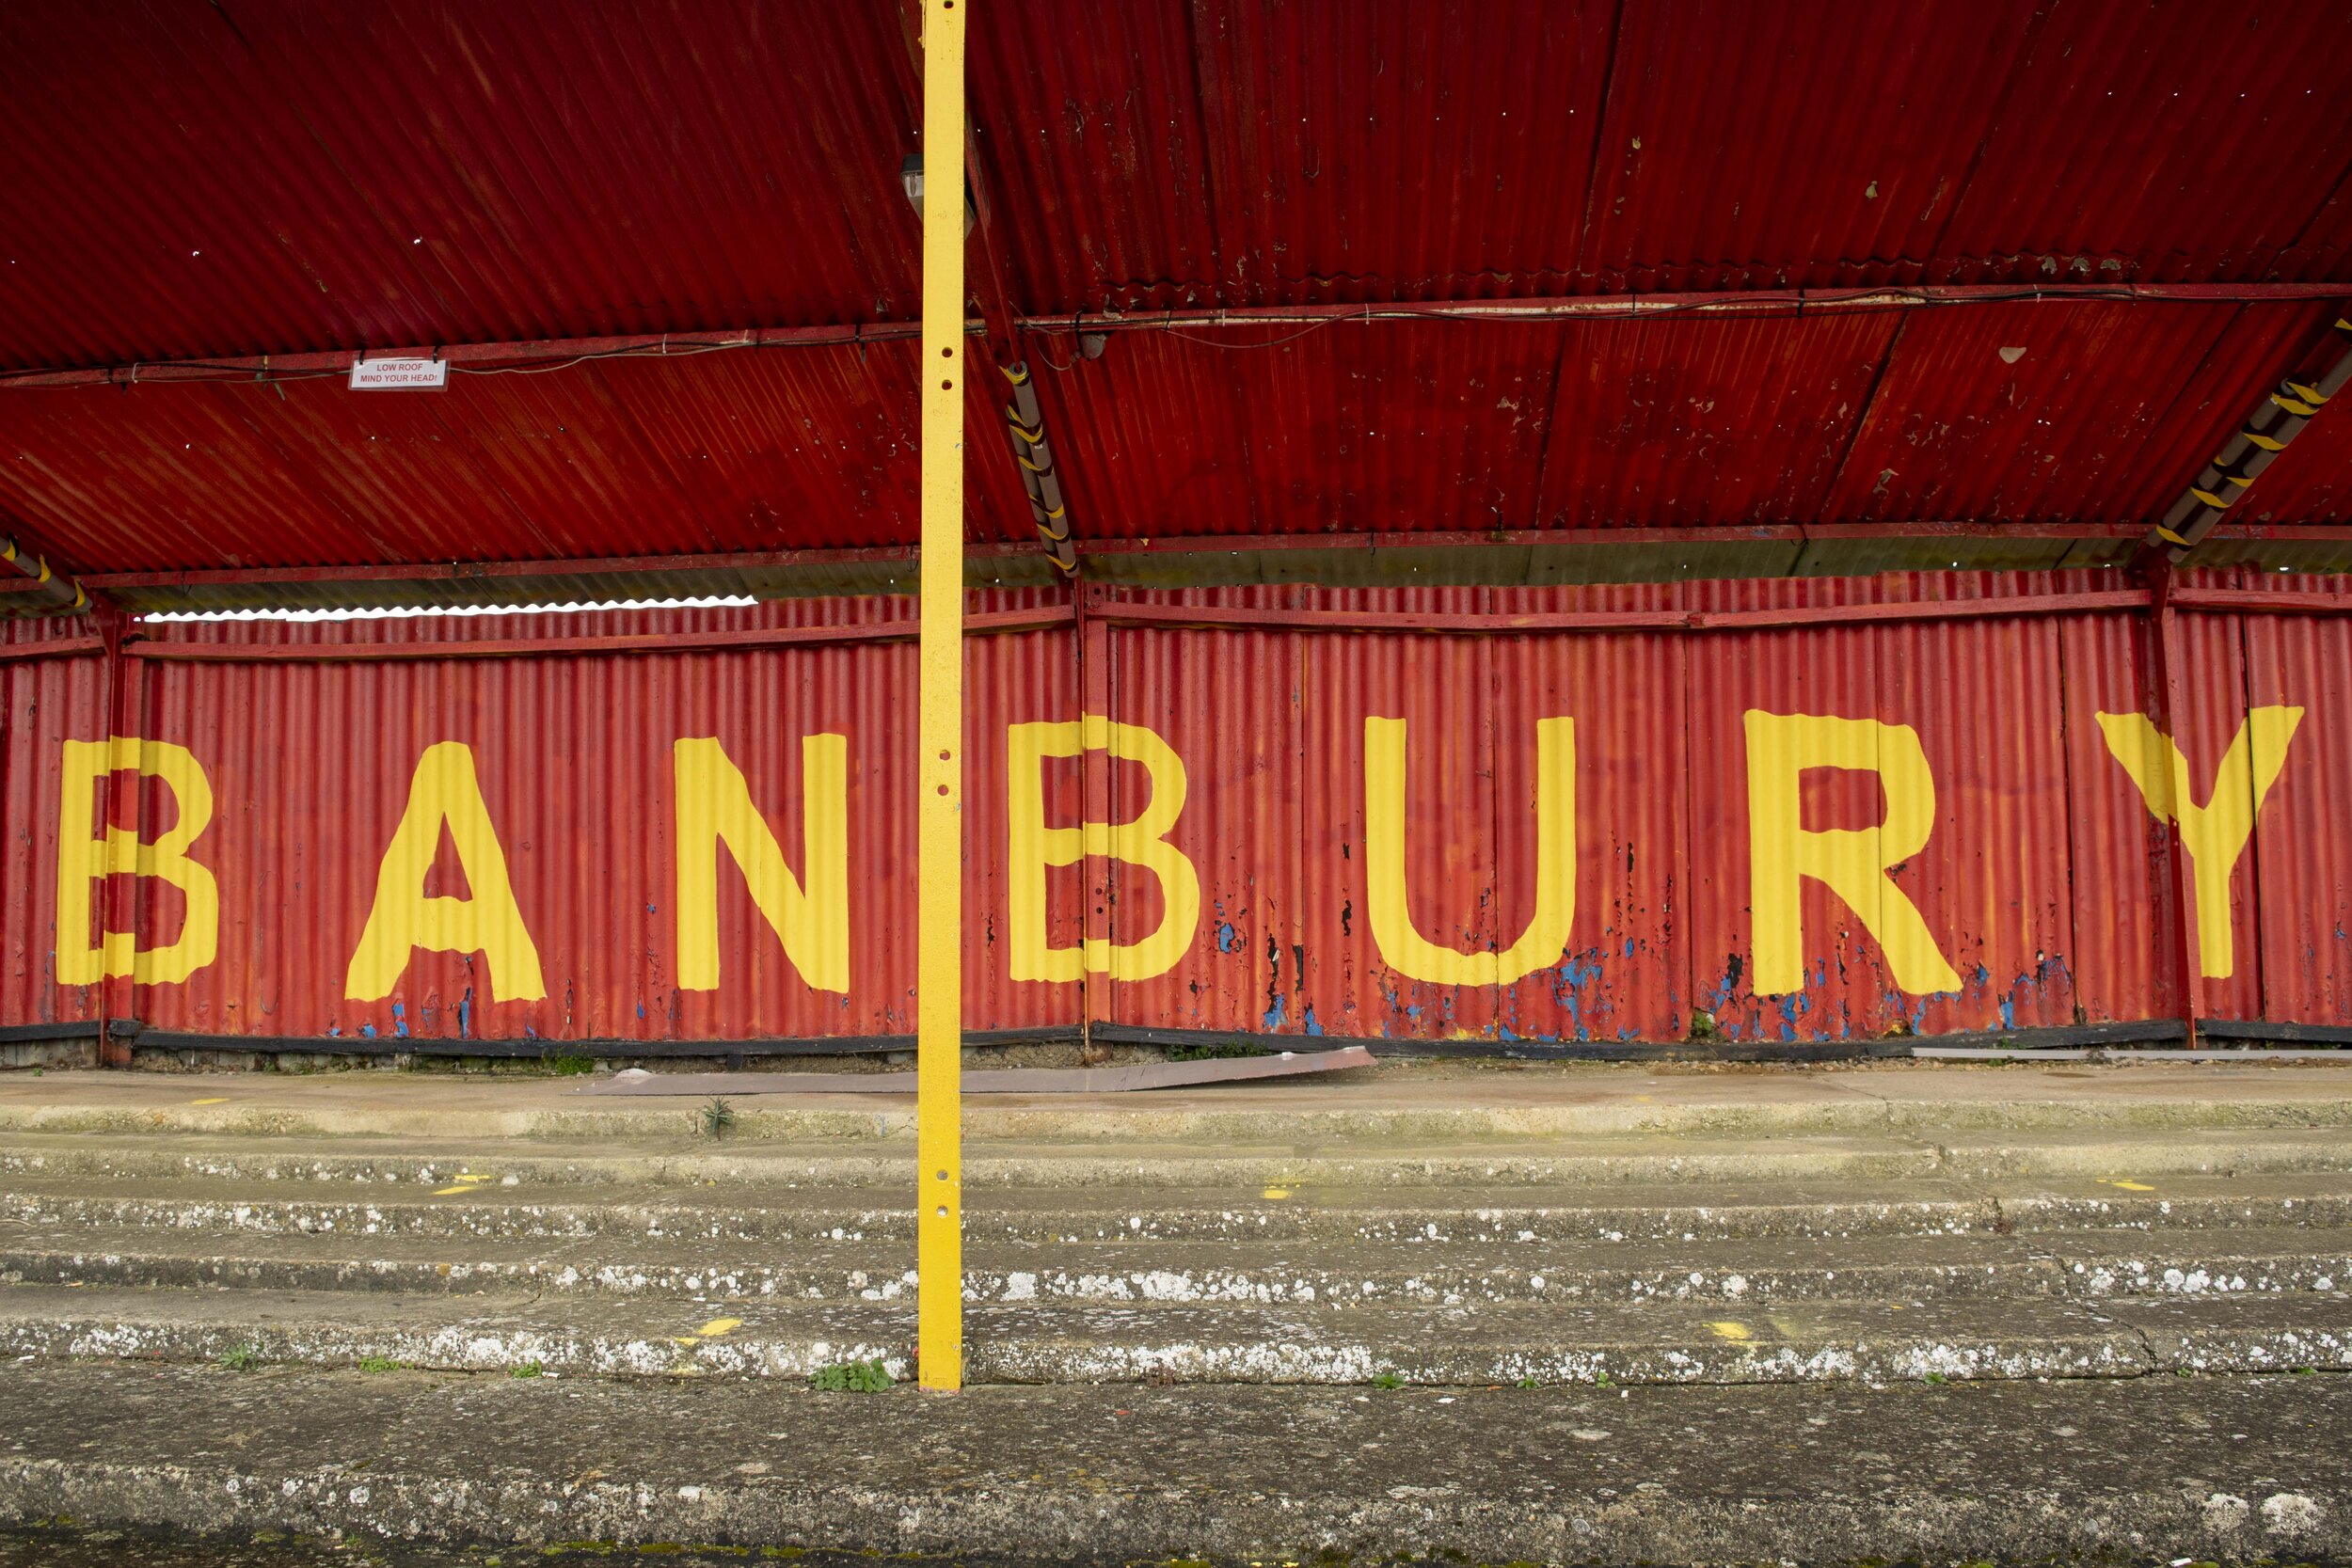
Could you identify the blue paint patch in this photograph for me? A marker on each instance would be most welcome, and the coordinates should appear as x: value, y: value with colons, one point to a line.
x: 1274, y: 1014
x: 1789, y: 1017
x: 334, y: 1031
x: 1628, y: 947
x: 1568, y: 980
x: 1225, y: 938
x: 2008, y: 1013
x: 399, y: 1020
x: 464, y: 1015
x: 1724, y: 988
x: 368, y: 1031
x: 1315, y: 1025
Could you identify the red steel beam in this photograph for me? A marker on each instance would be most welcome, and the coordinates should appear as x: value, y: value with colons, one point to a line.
x: 646, y: 345
x: 1118, y: 612
x: 1600, y: 306
x: 60, y: 647
x: 442, y: 571
x: 619, y: 642
x: 2285, y: 602
x: 1227, y: 543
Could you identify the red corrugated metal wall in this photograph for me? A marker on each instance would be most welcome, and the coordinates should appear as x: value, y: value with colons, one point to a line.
x: 49, y: 701
x: 2043, y: 880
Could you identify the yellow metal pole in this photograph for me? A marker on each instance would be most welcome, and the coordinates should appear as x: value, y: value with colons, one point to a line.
x: 939, y: 846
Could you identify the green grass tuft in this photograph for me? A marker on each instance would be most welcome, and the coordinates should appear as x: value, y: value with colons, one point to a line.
x: 1214, y: 1053
x: 852, y: 1377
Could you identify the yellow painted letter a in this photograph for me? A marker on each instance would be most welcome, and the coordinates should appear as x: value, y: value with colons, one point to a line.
x: 445, y: 790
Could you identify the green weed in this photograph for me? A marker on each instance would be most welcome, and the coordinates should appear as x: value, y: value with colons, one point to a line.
x: 240, y: 1358
x: 1214, y: 1053
x: 852, y: 1377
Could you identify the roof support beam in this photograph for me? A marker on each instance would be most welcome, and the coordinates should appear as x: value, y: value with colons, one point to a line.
x: 50, y: 591
x: 2276, y: 420
x: 655, y: 346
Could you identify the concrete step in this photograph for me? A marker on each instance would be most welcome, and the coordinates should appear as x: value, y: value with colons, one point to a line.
x: 2148, y: 1470
x: 498, y: 1207
x: 1737, y: 1271
x: 1489, y: 1343
x: 1394, y: 1160
x: 1434, y: 1104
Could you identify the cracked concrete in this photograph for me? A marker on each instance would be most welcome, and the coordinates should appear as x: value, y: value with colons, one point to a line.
x: 1436, y: 1104
x: 2224, y: 1471
x: 1616, y: 1234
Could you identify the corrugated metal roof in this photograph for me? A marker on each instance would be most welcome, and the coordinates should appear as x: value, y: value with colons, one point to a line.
x: 195, y: 180
x: 272, y: 176
x: 742, y: 449
x: 1773, y: 146
x: 2147, y: 139
x: 2021, y: 415
x: 2062, y: 411
x: 188, y: 179
x: 2045, y: 411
